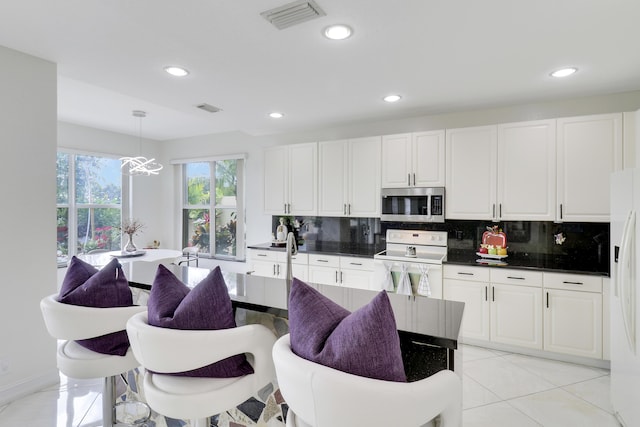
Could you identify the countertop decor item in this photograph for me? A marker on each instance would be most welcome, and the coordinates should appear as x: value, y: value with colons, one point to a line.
x: 130, y: 227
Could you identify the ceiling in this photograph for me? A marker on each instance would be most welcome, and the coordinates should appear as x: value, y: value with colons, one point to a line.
x: 440, y: 55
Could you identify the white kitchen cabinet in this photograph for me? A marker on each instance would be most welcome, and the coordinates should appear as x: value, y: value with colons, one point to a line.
x: 471, y: 286
x: 516, y: 307
x: 573, y: 314
x: 504, y: 172
x: 526, y: 178
x: 291, y: 179
x: 353, y: 272
x: 516, y: 315
x: 269, y: 263
x: 471, y: 158
x: 349, y: 177
x: 413, y: 160
x: 589, y: 149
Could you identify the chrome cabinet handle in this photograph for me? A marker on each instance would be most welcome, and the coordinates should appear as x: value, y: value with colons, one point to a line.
x: 349, y: 212
x: 414, y: 179
x: 560, y: 210
x: 514, y: 277
x: 494, y: 211
x: 572, y: 283
x: 344, y: 209
x: 355, y: 263
x: 323, y: 260
x: 261, y: 254
x: 500, y: 210
x: 463, y: 273
x: 336, y: 276
x: 274, y: 269
x: 408, y: 179
x: 341, y: 277
x: 493, y: 293
x: 486, y: 293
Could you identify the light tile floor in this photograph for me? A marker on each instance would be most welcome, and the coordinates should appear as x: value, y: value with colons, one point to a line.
x: 499, y: 389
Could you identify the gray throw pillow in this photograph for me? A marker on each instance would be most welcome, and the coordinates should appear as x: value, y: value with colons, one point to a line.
x: 364, y: 343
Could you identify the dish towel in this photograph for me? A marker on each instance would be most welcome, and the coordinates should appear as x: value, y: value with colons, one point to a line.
x: 387, y: 279
x: 404, y: 284
x: 423, y: 286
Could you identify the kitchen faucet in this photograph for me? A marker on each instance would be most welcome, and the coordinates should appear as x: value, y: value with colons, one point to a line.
x: 292, y: 249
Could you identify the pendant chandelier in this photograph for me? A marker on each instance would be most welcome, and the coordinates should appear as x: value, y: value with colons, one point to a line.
x: 139, y: 165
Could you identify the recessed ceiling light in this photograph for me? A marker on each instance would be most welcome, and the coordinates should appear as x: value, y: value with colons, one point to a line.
x: 338, y: 32
x: 276, y: 115
x: 564, y: 72
x: 176, y: 71
x: 392, y: 98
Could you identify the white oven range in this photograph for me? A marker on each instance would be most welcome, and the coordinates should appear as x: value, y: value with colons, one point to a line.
x: 411, y: 264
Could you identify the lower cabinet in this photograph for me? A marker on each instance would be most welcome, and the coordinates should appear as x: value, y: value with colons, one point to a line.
x: 353, y: 272
x: 573, y: 318
x: 555, y: 312
x: 268, y: 263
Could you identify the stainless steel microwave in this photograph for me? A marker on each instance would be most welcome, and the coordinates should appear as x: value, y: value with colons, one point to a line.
x: 415, y: 204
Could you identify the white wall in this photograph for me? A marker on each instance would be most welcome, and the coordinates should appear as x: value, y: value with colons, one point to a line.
x: 28, y: 194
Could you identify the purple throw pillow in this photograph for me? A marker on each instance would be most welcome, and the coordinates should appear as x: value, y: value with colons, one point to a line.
x: 364, y: 343
x: 207, y: 306
x: 87, y: 286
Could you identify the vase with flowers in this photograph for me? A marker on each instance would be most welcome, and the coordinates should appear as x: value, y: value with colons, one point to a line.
x: 130, y: 227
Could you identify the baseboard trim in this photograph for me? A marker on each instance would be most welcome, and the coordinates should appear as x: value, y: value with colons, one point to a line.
x: 28, y: 386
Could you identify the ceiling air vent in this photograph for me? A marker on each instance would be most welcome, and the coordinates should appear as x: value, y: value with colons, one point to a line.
x: 209, y: 108
x: 293, y: 13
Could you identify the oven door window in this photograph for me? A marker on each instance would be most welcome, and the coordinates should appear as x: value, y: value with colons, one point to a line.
x: 405, y: 205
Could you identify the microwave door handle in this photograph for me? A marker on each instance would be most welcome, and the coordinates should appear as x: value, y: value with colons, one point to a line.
x: 429, y: 201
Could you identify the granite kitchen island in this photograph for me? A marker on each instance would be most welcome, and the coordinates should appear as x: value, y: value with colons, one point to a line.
x: 428, y: 327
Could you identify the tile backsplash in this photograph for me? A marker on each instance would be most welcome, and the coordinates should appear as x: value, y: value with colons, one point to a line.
x: 587, y: 241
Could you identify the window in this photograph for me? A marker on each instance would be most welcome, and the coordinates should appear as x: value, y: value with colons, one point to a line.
x: 89, y: 204
x: 214, y: 222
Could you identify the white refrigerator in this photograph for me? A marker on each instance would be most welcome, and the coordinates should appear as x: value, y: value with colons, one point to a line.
x: 625, y: 296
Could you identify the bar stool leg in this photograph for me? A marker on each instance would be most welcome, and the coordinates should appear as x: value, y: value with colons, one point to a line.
x: 108, y: 401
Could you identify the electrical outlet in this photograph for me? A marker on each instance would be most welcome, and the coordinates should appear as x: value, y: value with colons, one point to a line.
x: 4, y: 366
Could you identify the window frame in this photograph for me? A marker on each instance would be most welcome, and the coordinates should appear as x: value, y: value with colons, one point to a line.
x: 73, y: 206
x: 240, y: 255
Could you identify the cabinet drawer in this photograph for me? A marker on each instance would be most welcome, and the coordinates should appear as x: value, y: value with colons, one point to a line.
x: 463, y: 272
x: 258, y: 255
x: 572, y: 282
x: 516, y: 277
x: 324, y: 260
x: 298, y: 258
x: 356, y: 263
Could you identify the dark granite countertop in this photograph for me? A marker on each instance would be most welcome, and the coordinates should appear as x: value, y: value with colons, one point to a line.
x: 533, y: 261
x: 329, y: 248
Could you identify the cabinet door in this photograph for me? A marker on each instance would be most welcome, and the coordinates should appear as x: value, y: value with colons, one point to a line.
x: 332, y: 186
x: 360, y: 279
x: 364, y: 177
x: 474, y: 295
x: 396, y: 160
x: 516, y: 315
x: 303, y: 178
x: 276, y: 180
x: 471, y: 173
x: 589, y: 149
x: 573, y: 322
x: 527, y: 171
x: 427, y: 159
x: 297, y: 270
x: 264, y: 268
x: 324, y: 275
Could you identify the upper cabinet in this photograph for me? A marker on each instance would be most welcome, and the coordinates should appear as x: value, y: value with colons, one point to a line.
x: 413, y: 159
x: 589, y: 149
x: 291, y: 179
x: 526, y: 171
x: 546, y: 170
x: 471, y: 173
x: 349, y: 177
